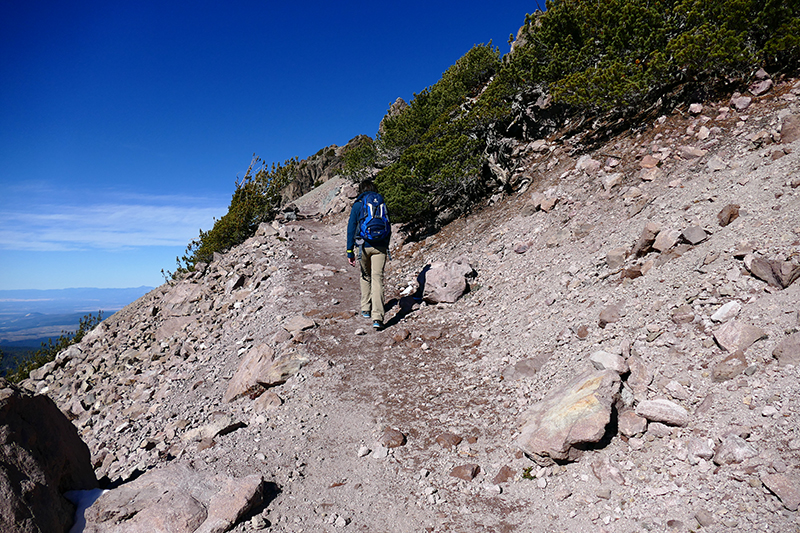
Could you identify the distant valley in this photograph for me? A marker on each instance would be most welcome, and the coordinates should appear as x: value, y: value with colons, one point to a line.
x: 29, y: 317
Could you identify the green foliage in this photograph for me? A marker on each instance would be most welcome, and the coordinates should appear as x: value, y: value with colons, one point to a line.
x: 49, y: 351
x: 255, y: 200
x: 432, y: 146
x: 628, y: 53
x: 358, y: 159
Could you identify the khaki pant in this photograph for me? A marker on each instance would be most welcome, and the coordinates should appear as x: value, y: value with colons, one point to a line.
x: 373, y: 261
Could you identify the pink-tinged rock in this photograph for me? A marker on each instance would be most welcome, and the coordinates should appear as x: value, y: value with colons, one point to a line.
x: 695, y: 109
x: 716, y: 163
x: 267, y: 402
x: 172, y: 327
x: 740, y: 103
x: 648, y: 161
x: 548, y: 204
x: 448, y: 440
x: 177, y: 499
x: 610, y: 314
x: 446, y: 282
x: 694, y: 235
x: 260, y: 369
x: 728, y: 214
x: 650, y: 174
x: 729, y: 368
x: 733, y: 449
x: 588, y: 165
x: 663, y: 411
x: 392, y: 438
x: 666, y: 239
x: 466, y: 472
x: 690, y: 152
x: 256, y: 363
x: 520, y: 248
x: 699, y: 449
x: 298, y: 323
x: 41, y: 457
x: 683, y: 314
x: 646, y: 239
x: 790, y: 129
x: 786, y: 487
x: 760, y: 87
x: 640, y: 376
x: 505, y: 474
x: 605, y: 470
x: 630, y: 424
x: 603, y: 360
x: 567, y: 418
x: 616, y: 258
x: 787, y: 352
x: 736, y: 335
x: 775, y: 273
x: 727, y: 312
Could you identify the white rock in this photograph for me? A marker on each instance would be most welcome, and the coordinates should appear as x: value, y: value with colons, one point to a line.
x: 727, y: 311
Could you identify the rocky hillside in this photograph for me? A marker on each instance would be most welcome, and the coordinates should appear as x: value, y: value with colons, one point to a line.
x: 625, y: 357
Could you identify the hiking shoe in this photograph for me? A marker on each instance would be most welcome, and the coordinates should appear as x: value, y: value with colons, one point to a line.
x: 377, y: 324
x: 365, y: 314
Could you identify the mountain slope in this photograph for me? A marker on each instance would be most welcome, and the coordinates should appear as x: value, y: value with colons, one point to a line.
x: 149, y: 386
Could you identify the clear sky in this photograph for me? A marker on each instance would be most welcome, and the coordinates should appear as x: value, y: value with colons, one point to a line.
x: 124, y: 124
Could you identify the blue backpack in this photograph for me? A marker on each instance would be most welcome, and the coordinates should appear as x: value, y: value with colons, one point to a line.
x: 374, y: 224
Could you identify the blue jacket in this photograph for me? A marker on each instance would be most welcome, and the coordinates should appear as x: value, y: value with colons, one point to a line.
x: 353, y: 231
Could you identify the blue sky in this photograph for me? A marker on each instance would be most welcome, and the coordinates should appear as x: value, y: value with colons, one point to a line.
x: 124, y: 125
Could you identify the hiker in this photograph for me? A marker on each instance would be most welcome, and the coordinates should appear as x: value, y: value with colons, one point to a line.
x: 368, y: 232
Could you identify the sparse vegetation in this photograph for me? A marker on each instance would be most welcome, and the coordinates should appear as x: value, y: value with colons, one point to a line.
x: 51, y: 349
x: 618, y: 59
x: 255, y: 200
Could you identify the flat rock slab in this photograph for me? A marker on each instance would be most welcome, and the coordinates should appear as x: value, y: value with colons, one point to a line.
x: 177, y: 499
x: 260, y: 369
x: 577, y: 414
x: 787, y: 352
x: 736, y: 335
x: 787, y: 488
x: 298, y: 323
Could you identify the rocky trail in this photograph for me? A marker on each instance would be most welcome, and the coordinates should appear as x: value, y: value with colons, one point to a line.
x: 626, y: 357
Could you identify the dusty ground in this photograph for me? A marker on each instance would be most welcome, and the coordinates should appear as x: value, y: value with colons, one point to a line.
x: 460, y: 369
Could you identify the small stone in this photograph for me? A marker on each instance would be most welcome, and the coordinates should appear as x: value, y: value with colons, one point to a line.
x: 728, y: 214
x: 363, y: 451
x: 466, y: 472
x: 505, y: 474
x: 448, y: 440
x: 683, y: 314
x: 663, y: 411
x: 602, y: 360
x: 392, y: 438
x: 541, y: 483
x: 616, y: 258
x: 694, y: 235
x: 360, y: 331
x: 727, y: 312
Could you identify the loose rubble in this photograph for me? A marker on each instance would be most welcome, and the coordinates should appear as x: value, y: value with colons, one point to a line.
x: 622, y: 355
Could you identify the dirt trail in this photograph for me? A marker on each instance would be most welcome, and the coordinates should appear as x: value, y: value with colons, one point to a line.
x: 424, y: 385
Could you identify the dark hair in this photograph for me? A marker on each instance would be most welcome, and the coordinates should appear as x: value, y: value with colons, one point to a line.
x: 367, y: 186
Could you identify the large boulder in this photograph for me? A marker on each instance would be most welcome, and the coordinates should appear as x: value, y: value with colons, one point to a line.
x: 445, y: 282
x: 41, y: 458
x: 175, y: 499
x: 261, y: 369
x: 568, y: 419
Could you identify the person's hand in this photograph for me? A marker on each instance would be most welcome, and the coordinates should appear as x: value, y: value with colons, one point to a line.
x: 352, y: 261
